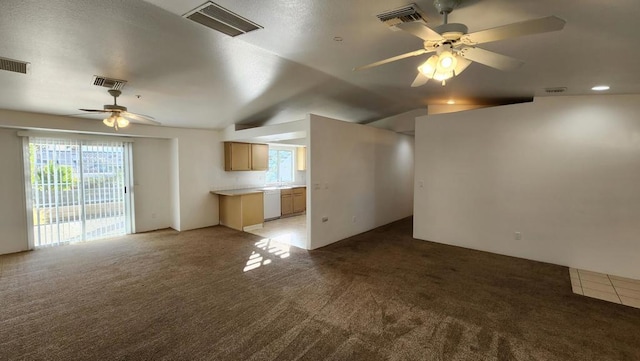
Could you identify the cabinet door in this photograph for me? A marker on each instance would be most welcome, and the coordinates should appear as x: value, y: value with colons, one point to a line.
x: 298, y: 203
x: 301, y: 159
x: 299, y: 199
x: 286, y: 204
x: 252, y: 209
x: 237, y: 156
x: 259, y: 156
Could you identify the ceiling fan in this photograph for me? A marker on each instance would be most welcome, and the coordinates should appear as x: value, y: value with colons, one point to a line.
x: 120, y: 117
x: 456, y: 49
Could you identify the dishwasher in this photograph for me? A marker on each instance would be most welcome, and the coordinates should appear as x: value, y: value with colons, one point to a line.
x: 271, y: 203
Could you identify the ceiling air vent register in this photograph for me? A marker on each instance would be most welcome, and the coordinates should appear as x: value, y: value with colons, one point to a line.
x: 405, y: 14
x: 15, y: 66
x: 220, y: 19
x: 110, y: 83
x: 555, y: 90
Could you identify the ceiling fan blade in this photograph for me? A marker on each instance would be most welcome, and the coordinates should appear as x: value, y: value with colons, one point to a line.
x: 420, y: 80
x: 95, y: 110
x: 140, y: 118
x: 529, y: 27
x: 395, y: 58
x: 462, y: 65
x: 489, y: 58
x: 420, y: 30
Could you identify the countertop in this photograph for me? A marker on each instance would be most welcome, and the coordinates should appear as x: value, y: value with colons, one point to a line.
x: 239, y: 192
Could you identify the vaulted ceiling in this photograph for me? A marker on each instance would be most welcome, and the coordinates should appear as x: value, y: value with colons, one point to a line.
x: 190, y: 76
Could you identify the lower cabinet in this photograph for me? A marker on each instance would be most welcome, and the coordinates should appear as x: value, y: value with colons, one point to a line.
x: 299, y: 200
x: 293, y: 201
x: 242, y: 211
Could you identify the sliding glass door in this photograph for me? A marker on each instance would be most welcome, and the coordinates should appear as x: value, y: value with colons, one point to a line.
x: 79, y: 189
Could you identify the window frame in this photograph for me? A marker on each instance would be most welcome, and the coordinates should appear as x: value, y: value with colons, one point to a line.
x: 279, y: 180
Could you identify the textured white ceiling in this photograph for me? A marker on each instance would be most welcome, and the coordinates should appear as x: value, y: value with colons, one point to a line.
x: 191, y: 76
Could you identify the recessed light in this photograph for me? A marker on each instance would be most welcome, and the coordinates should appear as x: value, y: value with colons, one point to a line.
x: 600, y: 88
x: 337, y: 38
x: 451, y: 102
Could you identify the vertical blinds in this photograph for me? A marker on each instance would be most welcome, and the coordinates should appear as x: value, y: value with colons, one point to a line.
x: 77, y: 189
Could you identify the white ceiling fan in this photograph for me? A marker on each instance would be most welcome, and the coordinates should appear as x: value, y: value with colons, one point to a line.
x: 120, y: 117
x: 455, y: 48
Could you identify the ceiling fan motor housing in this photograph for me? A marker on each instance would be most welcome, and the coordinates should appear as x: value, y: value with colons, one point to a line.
x: 452, y: 31
x: 115, y: 93
x: 114, y: 108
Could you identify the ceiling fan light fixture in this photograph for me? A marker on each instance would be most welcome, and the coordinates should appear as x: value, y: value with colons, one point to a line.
x: 110, y: 121
x: 122, y: 122
x: 447, y: 61
x: 428, y: 68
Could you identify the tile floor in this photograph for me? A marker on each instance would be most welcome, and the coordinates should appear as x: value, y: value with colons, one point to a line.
x: 610, y: 288
x: 289, y: 230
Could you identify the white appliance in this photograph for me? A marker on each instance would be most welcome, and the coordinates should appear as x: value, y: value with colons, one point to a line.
x: 271, y: 203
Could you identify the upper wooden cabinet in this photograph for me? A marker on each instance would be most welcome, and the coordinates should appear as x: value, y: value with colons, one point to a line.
x: 301, y: 158
x: 237, y: 156
x: 245, y: 156
x: 259, y: 157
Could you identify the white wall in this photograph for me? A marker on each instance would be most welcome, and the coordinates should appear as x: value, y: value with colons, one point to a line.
x: 564, y: 171
x: 356, y: 171
x: 13, y: 223
x: 152, y: 183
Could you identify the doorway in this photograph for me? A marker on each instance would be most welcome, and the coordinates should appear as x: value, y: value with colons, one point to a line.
x: 79, y: 189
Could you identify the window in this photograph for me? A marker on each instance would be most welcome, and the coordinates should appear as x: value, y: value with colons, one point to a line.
x: 280, y: 166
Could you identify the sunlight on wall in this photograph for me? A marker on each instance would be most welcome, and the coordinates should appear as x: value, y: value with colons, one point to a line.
x: 268, y: 249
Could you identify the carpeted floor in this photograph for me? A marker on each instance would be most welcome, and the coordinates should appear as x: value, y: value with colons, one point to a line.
x: 379, y: 295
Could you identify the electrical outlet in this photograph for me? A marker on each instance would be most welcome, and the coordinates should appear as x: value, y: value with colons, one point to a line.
x: 353, y: 219
x: 518, y: 236
x: 325, y: 219
x: 153, y: 215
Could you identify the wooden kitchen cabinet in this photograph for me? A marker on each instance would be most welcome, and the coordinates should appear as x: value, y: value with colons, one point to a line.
x: 293, y: 201
x: 301, y: 158
x: 242, y: 211
x: 299, y: 200
x: 286, y: 202
x: 259, y: 157
x: 245, y: 156
x: 237, y: 156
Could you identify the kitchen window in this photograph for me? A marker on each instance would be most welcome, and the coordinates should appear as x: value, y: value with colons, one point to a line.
x: 280, y: 166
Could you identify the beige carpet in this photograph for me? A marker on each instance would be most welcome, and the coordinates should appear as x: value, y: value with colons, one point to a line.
x: 380, y: 295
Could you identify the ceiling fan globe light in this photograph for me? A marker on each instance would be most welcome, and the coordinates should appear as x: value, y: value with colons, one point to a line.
x: 429, y: 67
x: 122, y: 122
x: 110, y: 121
x: 426, y: 69
x: 447, y: 61
x: 442, y: 75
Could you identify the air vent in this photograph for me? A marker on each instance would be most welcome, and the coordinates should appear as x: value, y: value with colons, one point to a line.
x: 108, y: 82
x: 555, y: 90
x: 220, y: 19
x: 15, y: 66
x: 405, y: 14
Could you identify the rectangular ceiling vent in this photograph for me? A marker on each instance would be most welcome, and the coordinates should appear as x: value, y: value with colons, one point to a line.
x: 220, y: 19
x: 110, y: 83
x: 15, y: 66
x: 405, y: 14
x: 555, y: 90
